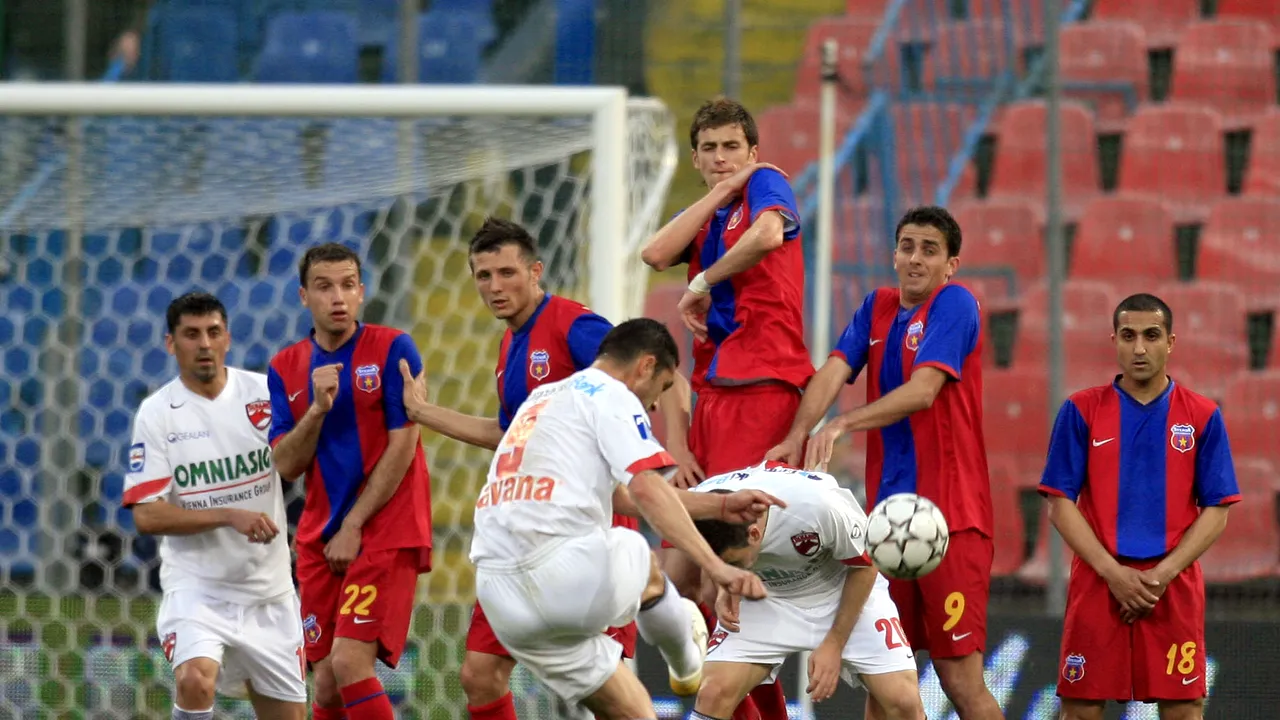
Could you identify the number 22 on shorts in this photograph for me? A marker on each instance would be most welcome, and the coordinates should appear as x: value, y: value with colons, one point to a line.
x: 359, y: 598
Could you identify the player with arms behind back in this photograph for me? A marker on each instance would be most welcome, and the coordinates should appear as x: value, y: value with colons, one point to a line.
x: 745, y: 305
x: 1139, y: 477
x: 824, y: 596
x: 551, y: 573
x: 921, y: 343
x: 548, y: 338
x: 365, y: 531
x: 201, y: 477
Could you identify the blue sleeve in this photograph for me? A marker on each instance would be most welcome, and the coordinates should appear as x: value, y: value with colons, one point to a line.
x: 504, y: 418
x: 855, y: 341
x: 586, y: 332
x: 281, y: 414
x: 393, y: 385
x: 769, y: 190
x: 952, y: 331
x: 1215, y: 472
x: 1067, y: 465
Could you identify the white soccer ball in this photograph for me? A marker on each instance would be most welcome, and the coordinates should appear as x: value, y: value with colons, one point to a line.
x: 907, y: 536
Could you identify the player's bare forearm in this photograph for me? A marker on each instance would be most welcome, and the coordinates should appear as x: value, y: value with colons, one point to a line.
x: 161, y: 518
x: 819, y: 394
x: 670, y: 242
x: 763, y: 237
x: 1075, y: 531
x: 858, y: 582
x: 675, y: 405
x: 915, y: 395
x: 385, y: 479
x: 661, y: 505
x: 700, y: 506
x: 297, y: 448
x: 1195, y: 541
x: 479, y: 431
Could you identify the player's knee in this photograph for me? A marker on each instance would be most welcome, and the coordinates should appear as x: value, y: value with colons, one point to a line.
x: 484, y: 677
x: 196, y: 683
x: 1188, y: 710
x: 718, y: 696
x: 352, y: 662
x: 903, y: 705
x: 326, y: 686
x: 1082, y: 710
x: 963, y: 682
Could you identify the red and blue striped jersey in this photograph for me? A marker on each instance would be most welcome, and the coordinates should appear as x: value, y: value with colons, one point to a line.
x: 1140, y: 473
x: 939, y: 452
x: 369, y: 404
x: 755, y: 326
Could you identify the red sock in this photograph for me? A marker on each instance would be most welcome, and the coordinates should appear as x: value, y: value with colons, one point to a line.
x: 327, y: 713
x: 746, y: 710
x: 770, y: 701
x: 366, y: 700
x: 504, y: 708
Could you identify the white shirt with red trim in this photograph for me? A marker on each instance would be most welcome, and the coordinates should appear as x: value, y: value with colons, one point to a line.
x: 553, y: 475
x: 204, y: 454
x: 809, y: 544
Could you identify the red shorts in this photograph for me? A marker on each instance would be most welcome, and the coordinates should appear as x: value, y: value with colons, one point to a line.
x: 1159, y: 657
x: 372, y: 602
x: 945, y: 612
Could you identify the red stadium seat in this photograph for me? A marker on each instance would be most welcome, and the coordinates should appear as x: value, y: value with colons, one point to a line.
x: 660, y: 304
x: 1127, y: 239
x: 866, y: 9
x: 1256, y: 476
x: 789, y: 137
x: 966, y: 57
x: 1249, y: 547
x: 1262, y: 176
x: 927, y: 137
x: 854, y: 36
x: 1010, y: 538
x: 1163, y: 20
x: 1175, y: 152
x: 1227, y: 65
x: 1208, y: 310
x: 1265, y: 11
x: 1251, y: 406
x: 1211, y: 361
x: 1240, y: 244
x: 860, y: 234
x: 1036, y: 571
x: 1016, y: 414
x: 1087, y: 307
x: 1108, y: 52
x: 1002, y: 232
x: 1021, y: 154
x: 1026, y: 15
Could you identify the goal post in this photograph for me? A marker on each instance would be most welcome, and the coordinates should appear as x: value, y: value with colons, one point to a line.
x: 116, y: 199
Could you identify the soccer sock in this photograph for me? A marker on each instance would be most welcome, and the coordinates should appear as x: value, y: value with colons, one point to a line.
x: 319, y: 712
x: 180, y: 714
x: 504, y: 708
x: 770, y: 701
x: 664, y: 623
x: 366, y: 700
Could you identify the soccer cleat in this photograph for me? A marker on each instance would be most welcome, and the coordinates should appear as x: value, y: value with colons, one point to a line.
x: 688, y: 686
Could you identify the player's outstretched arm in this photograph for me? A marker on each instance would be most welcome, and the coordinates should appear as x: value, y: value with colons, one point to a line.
x: 819, y: 395
x: 473, y: 430
x: 743, y: 506
x: 161, y: 518
x: 665, y: 248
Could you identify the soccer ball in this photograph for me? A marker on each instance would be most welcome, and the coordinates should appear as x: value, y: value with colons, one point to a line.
x: 906, y: 536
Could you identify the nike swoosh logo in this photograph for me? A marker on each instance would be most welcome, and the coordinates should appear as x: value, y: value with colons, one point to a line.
x: 500, y: 372
x: 362, y: 621
x: 958, y: 638
x: 291, y: 397
x: 1188, y: 681
x: 175, y: 407
x: 1100, y: 443
x: 877, y: 342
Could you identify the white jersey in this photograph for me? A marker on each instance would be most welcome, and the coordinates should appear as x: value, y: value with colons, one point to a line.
x: 808, y: 545
x: 202, y: 454
x: 553, y: 475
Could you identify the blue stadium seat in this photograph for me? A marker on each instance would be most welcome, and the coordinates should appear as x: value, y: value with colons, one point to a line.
x: 179, y: 270
x: 105, y: 332
x: 197, y: 44
x: 231, y: 239
x: 158, y: 299
x: 19, y: 299
x: 97, y: 454
x: 117, y: 424
x: 112, y: 487
x: 449, y: 51
x: 481, y: 10
x: 309, y: 47
x: 256, y: 357
x: 378, y: 21
x: 243, y: 158
x: 366, y: 148
x: 283, y: 261
x: 101, y: 394
x: 242, y: 326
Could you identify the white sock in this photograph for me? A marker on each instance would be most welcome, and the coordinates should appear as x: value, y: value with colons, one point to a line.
x: 665, y: 623
x: 180, y: 714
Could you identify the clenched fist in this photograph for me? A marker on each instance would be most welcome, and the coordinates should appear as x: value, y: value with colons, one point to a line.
x: 324, y: 384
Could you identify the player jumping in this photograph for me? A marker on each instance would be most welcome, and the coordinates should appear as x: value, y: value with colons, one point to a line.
x: 550, y: 572
x: 922, y: 345
x: 365, y: 531
x: 1139, y: 477
x: 548, y: 338
x: 200, y: 476
x: 824, y: 596
x: 745, y: 306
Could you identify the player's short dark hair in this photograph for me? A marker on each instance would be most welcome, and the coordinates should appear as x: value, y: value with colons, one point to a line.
x: 721, y: 535
x: 328, y: 252
x: 497, y: 233
x: 721, y: 112
x: 934, y: 217
x: 1143, y: 302
x: 193, y: 304
x: 638, y: 337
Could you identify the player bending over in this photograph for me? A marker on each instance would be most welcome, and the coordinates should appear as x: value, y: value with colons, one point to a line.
x: 551, y: 574
x: 200, y: 476
x: 365, y: 531
x: 824, y: 596
x: 1139, y: 477
x: 547, y: 339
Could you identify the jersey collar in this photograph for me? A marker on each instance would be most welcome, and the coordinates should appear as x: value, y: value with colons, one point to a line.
x: 340, y: 348
x: 528, y: 324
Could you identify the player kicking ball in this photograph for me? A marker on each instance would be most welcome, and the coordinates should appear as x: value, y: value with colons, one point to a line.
x: 824, y: 597
x: 551, y: 574
x: 200, y: 476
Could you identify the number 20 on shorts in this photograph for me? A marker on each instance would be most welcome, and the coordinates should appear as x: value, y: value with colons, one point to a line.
x: 1183, y: 658
x: 359, y: 598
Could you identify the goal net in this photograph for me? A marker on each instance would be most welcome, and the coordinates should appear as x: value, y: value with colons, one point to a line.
x: 114, y: 201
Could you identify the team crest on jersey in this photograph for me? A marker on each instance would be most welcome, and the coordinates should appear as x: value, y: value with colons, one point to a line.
x: 716, y: 638
x: 915, y: 333
x: 137, y: 457
x: 1182, y: 437
x: 259, y: 412
x: 539, y: 364
x: 806, y: 543
x: 734, y: 219
x: 1073, y: 668
x: 368, y: 378
x: 311, y: 629
x: 169, y: 642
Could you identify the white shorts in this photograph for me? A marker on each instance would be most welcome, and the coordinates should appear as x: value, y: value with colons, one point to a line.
x: 772, y: 629
x: 257, y: 643
x: 550, y: 610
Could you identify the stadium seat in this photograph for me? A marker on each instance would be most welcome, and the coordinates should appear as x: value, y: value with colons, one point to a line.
x: 853, y: 34
x: 1003, y: 232
x: 1080, y: 349
x: 450, y: 46
x: 1227, y: 65
x: 1025, y: 15
x: 968, y: 58
x: 1240, y: 244
x: 1016, y: 414
x: 1212, y: 362
x: 1256, y: 476
x: 861, y: 237
x: 789, y: 135
x: 1262, y: 175
x: 309, y: 47
x: 1160, y: 138
x: 364, y: 150
x: 1263, y: 11
x: 1087, y: 306
x: 1036, y: 570
x: 1010, y: 539
x: 1097, y: 61
x: 1249, y: 547
x: 1021, y: 154
x: 866, y: 9
x: 928, y: 135
x: 1163, y: 20
x: 197, y: 44
x: 1127, y: 239
x: 1206, y: 309
x: 378, y: 22
x: 1251, y: 406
